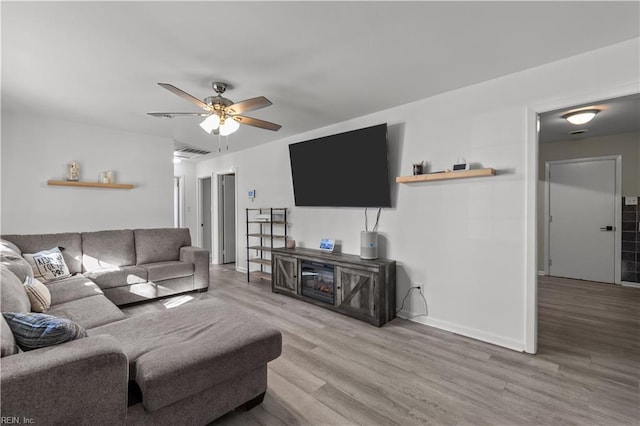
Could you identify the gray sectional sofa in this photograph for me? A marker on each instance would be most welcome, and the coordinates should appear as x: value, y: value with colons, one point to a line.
x: 129, y: 265
x: 185, y: 365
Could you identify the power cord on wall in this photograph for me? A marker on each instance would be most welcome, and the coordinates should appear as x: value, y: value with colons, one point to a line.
x: 366, y: 220
x: 426, y: 309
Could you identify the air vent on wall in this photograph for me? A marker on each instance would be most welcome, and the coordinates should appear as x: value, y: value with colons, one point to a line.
x: 578, y: 132
x: 188, y: 153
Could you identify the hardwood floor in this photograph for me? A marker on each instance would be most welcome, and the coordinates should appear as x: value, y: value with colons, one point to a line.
x: 335, y: 370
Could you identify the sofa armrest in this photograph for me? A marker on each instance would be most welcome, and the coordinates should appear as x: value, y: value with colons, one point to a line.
x: 80, y: 382
x: 200, y: 259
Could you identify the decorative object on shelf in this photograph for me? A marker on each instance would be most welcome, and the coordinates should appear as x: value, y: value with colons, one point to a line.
x: 446, y: 175
x: 107, y: 177
x: 291, y: 244
x: 73, y: 171
x: 460, y: 165
x: 418, y: 168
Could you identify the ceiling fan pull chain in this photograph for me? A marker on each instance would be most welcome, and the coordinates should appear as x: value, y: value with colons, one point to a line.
x: 219, y: 147
x: 226, y: 138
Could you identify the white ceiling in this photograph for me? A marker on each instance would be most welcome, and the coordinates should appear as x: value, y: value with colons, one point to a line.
x: 318, y: 62
x: 619, y: 115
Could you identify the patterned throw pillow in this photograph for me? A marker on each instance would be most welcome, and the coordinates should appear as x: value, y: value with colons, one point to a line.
x: 48, y: 265
x: 39, y: 295
x: 33, y: 331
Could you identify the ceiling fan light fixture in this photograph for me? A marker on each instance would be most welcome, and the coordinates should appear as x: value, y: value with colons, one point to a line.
x: 210, y: 123
x: 229, y: 126
x: 581, y: 116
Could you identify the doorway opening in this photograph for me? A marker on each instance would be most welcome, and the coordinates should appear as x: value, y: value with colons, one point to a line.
x: 178, y: 201
x: 226, y: 224
x: 559, y: 150
x: 204, y: 212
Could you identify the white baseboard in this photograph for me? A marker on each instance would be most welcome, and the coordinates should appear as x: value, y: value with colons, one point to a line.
x: 473, y: 333
x: 630, y: 284
x: 542, y: 273
x: 241, y: 269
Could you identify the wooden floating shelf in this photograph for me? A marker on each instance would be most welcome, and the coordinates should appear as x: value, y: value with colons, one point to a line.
x: 90, y: 184
x: 266, y: 236
x: 446, y: 175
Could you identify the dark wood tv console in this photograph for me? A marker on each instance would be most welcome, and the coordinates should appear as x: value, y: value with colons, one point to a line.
x: 345, y: 283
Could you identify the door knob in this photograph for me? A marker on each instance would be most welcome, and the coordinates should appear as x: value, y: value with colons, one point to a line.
x: 608, y: 228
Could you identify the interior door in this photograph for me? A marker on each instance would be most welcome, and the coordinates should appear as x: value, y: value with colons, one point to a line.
x: 228, y: 225
x: 205, y: 213
x: 582, y: 219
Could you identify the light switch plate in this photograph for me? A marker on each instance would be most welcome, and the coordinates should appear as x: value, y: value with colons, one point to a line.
x: 631, y: 201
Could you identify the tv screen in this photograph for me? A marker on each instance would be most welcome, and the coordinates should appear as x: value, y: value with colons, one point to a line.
x: 349, y: 169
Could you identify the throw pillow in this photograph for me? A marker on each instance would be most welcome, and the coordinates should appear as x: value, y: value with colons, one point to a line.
x: 39, y: 295
x: 33, y: 330
x: 48, y: 264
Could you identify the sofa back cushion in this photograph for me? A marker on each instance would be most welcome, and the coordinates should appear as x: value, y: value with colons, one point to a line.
x: 160, y: 245
x: 8, y: 246
x: 70, y: 242
x: 13, y: 296
x: 16, y: 264
x: 107, y: 249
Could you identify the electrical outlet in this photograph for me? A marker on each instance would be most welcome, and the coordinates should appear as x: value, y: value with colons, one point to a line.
x: 420, y: 287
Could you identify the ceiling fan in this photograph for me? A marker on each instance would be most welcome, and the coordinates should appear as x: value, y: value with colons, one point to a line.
x: 222, y: 115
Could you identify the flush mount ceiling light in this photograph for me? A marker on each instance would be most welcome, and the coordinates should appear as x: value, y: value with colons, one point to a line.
x: 581, y: 116
x: 222, y: 116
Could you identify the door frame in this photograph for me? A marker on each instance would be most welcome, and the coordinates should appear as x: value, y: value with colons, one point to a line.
x: 617, y: 252
x: 530, y: 308
x: 216, y: 220
x: 181, y: 200
x: 200, y: 236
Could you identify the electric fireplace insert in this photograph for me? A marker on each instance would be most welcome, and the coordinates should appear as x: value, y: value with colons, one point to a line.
x: 318, y: 281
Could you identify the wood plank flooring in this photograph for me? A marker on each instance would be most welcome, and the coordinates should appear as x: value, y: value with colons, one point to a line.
x: 335, y: 370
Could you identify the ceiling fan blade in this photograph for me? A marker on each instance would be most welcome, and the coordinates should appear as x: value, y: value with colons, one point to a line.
x: 257, y: 123
x: 248, y: 105
x: 184, y: 95
x: 178, y: 114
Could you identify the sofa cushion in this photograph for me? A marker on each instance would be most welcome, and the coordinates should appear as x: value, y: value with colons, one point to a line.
x: 8, y: 345
x: 39, y: 295
x: 177, y: 353
x: 106, y: 249
x: 72, y: 288
x: 35, y: 330
x: 160, y: 245
x: 16, y: 264
x: 8, y: 246
x: 70, y: 242
x: 13, y: 297
x: 118, y: 276
x: 89, y: 311
x: 167, y: 270
x: 48, y: 265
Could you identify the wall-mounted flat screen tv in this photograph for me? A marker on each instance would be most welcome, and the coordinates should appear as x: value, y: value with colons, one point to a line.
x: 349, y: 169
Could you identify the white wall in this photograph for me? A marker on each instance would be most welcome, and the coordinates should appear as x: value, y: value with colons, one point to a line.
x: 34, y: 153
x: 464, y: 239
x: 187, y: 170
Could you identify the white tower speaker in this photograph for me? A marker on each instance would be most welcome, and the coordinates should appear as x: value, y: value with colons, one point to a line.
x: 368, y: 245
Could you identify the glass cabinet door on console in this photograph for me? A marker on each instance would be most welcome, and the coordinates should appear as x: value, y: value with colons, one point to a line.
x: 285, y: 274
x: 356, y: 290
